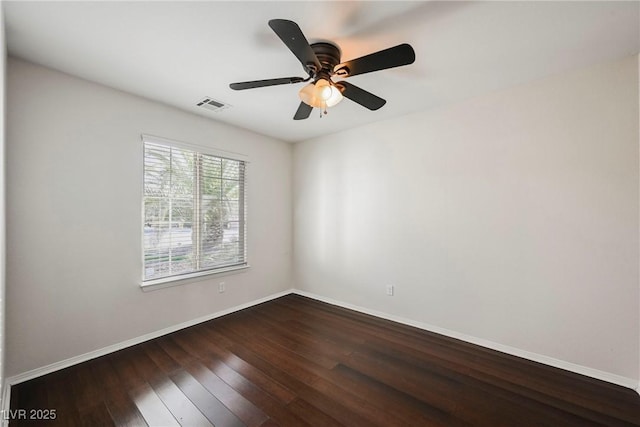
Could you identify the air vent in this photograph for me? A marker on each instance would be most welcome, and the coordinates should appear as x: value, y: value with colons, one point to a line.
x: 213, y: 105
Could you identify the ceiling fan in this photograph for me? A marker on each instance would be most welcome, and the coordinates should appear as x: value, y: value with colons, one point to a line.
x: 321, y: 61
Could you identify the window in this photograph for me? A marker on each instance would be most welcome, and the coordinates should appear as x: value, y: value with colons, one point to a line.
x: 194, y: 211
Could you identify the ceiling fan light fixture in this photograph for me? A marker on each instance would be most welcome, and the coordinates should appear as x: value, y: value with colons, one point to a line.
x: 320, y: 94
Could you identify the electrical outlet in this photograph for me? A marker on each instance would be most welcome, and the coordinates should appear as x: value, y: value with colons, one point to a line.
x: 390, y: 289
x: 222, y: 287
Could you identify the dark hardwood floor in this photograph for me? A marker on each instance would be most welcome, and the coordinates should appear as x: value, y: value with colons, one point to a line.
x: 298, y: 362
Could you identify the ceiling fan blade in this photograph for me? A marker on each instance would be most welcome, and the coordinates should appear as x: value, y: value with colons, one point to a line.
x: 292, y: 36
x: 304, y: 111
x: 263, y: 83
x: 396, y: 56
x: 361, y: 96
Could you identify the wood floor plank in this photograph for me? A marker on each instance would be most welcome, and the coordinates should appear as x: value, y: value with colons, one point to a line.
x: 311, y: 341
x: 402, y: 405
x: 271, y: 405
x: 437, y: 391
x: 87, y: 391
x: 246, y: 411
x: 245, y: 369
x: 469, y: 377
x: 295, y: 379
x: 298, y: 362
x: 66, y: 411
x: 123, y: 410
x: 151, y: 407
x: 144, y: 367
x: 175, y: 351
x: 122, y: 364
x: 319, y: 378
x: 303, y: 349
x: 157, y: 354
x: 96, y: 416
x: 311, y: 414
x: 208, y: 404
x: 116, y: 399
x: 486, y: 402
x: 182, y: 409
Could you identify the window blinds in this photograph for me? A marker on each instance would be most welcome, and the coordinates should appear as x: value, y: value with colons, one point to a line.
x: 194, y: 211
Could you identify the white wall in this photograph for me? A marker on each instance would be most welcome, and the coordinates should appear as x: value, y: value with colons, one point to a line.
x: 512, y: 217
x: 74, y: 183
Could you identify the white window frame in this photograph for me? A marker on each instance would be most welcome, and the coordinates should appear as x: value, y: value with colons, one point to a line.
x: 169, y: 281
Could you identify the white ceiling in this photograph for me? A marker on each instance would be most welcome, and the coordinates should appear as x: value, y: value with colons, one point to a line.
x: 178, y: 52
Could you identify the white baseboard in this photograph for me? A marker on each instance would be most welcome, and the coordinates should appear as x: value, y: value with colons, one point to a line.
x: 34, y: 373
x: 568, y: 366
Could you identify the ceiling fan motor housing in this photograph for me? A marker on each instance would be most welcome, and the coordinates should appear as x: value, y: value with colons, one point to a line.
x: 328, y: 55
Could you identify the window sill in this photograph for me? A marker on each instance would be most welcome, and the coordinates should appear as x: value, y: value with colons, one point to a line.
x: 167, y: 282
